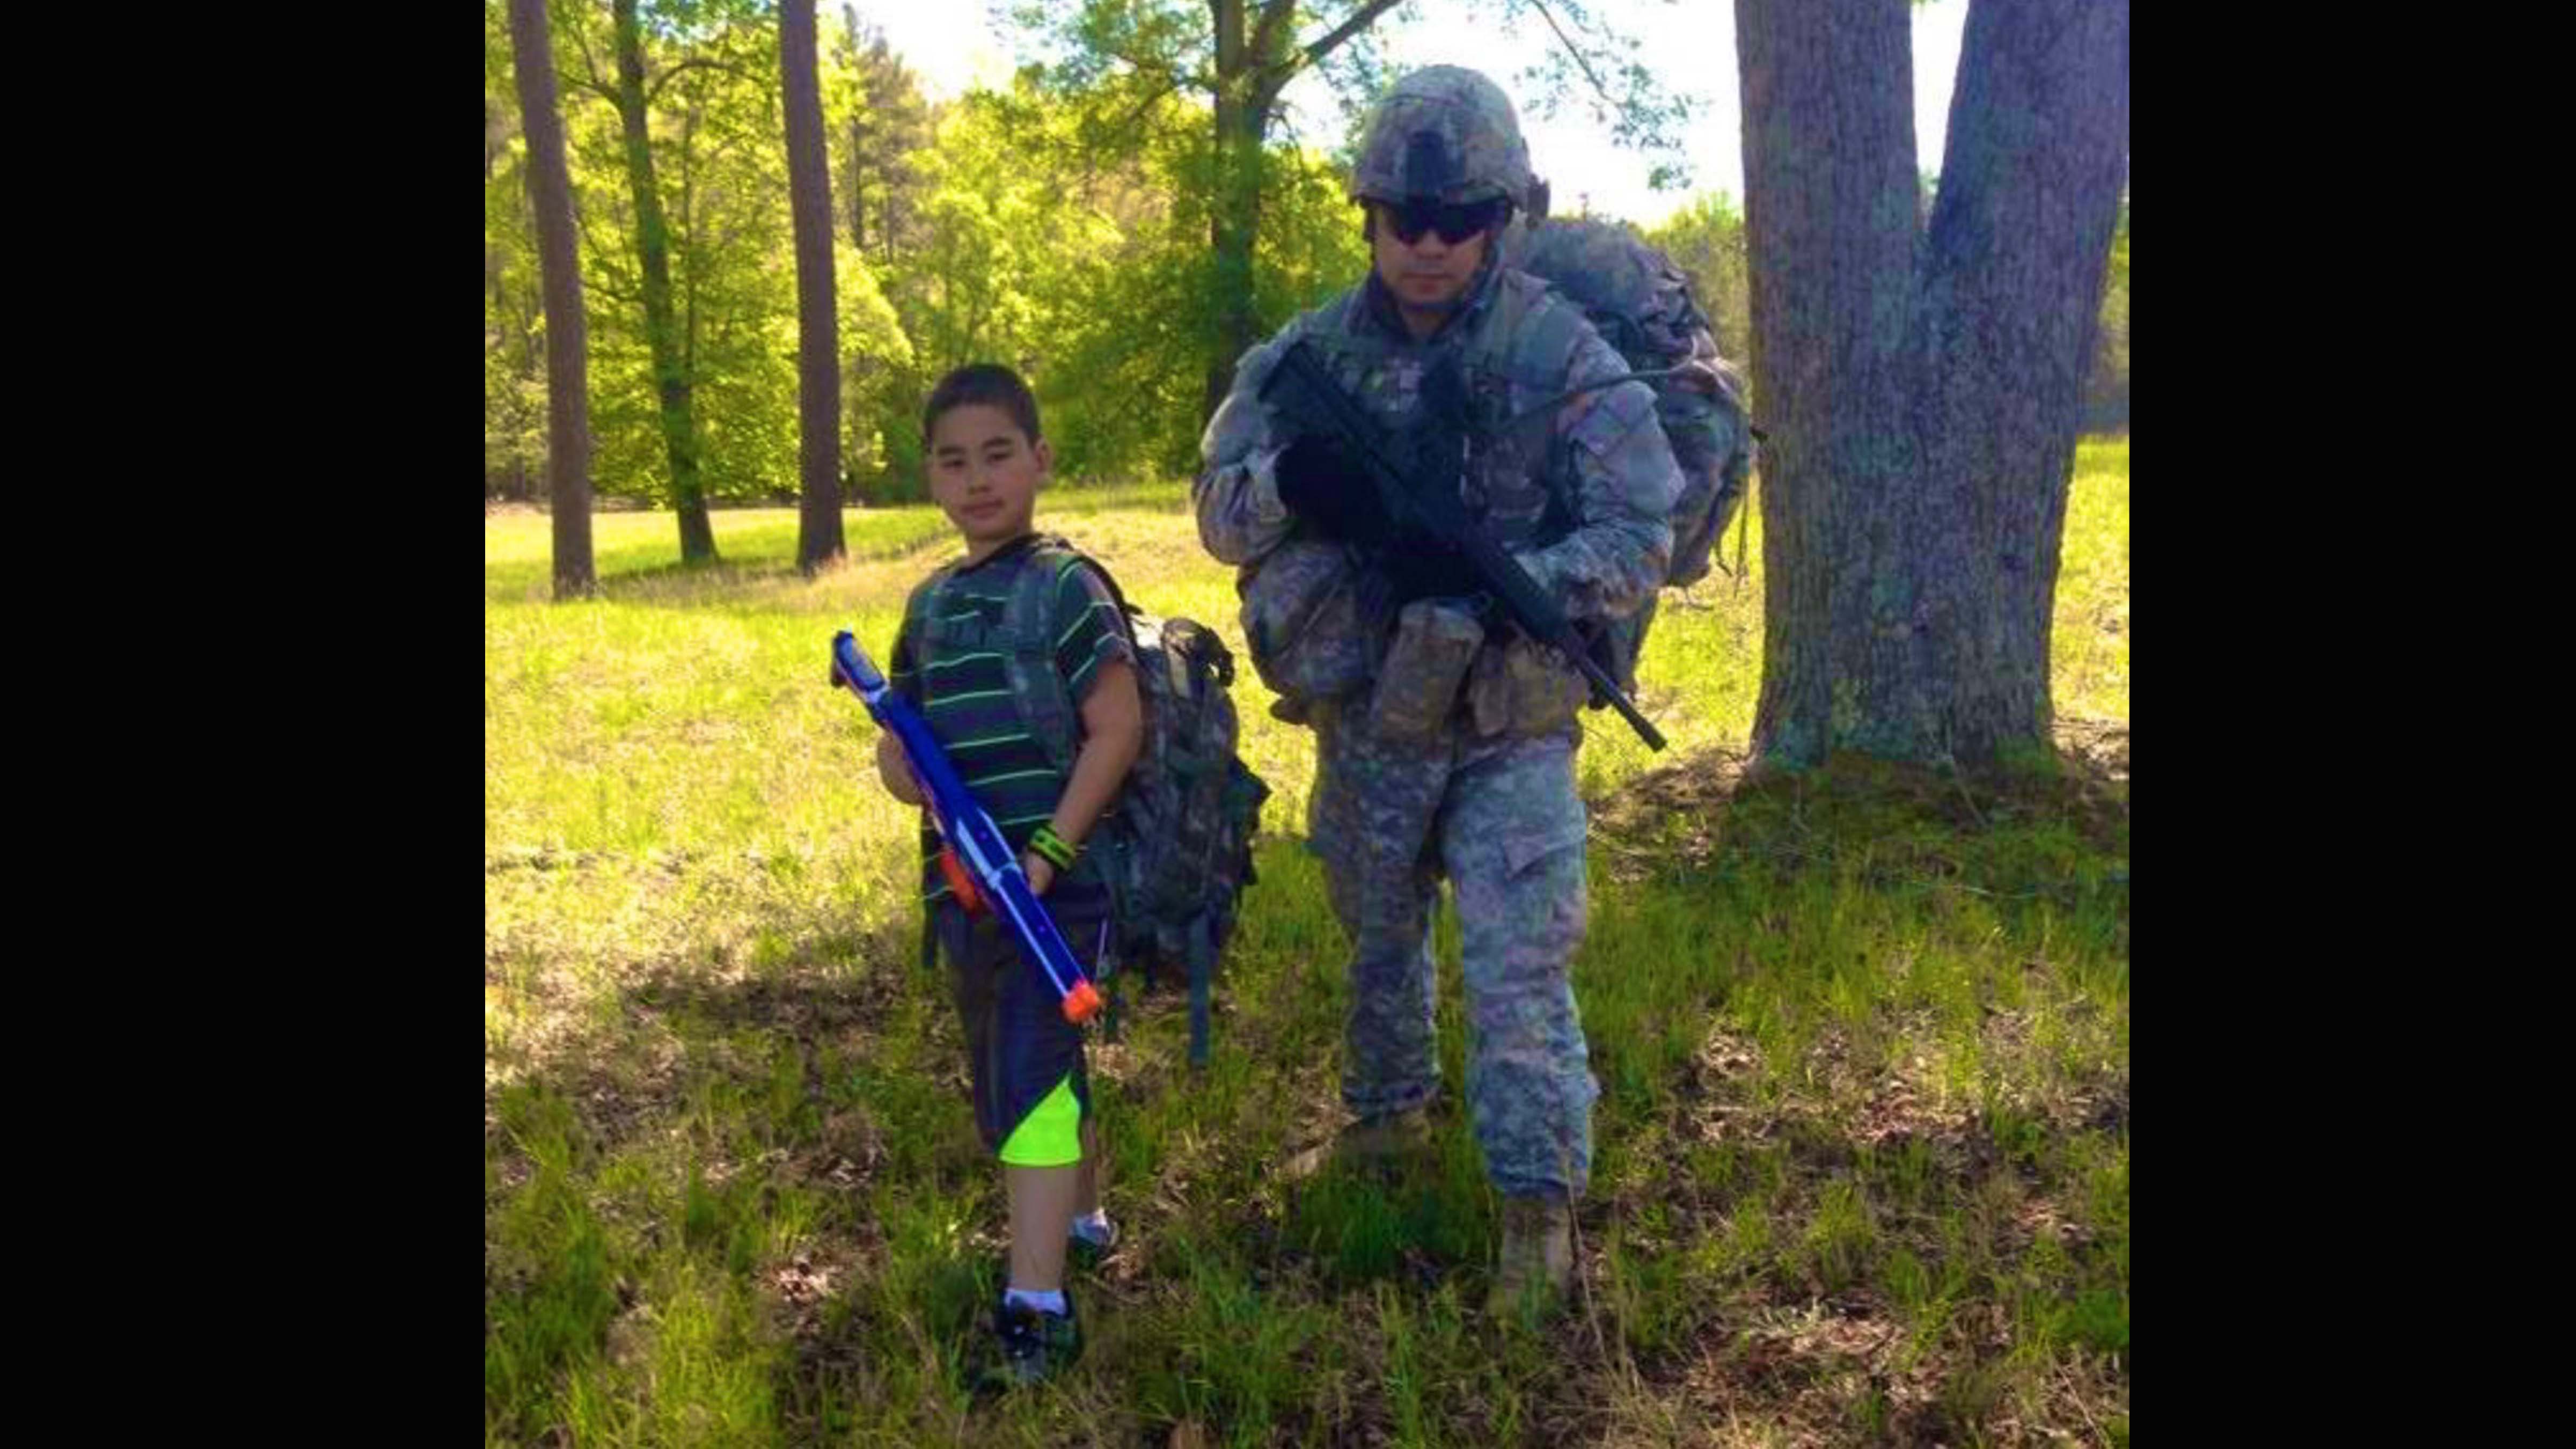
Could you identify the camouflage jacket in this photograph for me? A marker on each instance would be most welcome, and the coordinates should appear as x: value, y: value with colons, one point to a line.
x: 1581, y: 493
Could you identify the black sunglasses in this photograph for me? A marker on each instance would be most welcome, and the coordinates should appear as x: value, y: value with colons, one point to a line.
x: 1455, y: 223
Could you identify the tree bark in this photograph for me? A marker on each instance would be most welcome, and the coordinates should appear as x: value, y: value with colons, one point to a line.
x: 1233, y: 219
x: 1922, y: 390
x: 567, y: 343
x: 858, y: 139
x: 653, y: 245
x: 818, y: 369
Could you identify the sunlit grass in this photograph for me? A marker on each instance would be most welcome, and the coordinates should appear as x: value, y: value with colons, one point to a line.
x: 1861, y: 1158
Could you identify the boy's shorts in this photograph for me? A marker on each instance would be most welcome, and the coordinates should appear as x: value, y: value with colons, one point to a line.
x: 1032, y: 1093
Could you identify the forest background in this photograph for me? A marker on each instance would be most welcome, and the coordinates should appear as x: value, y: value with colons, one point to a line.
x: 1061, y: 224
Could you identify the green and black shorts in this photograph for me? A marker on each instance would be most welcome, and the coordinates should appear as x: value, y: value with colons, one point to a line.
x: 1032, y: 1093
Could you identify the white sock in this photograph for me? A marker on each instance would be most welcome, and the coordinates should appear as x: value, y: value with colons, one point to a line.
x: 1093, y: 1228
x: 1051, y: 1301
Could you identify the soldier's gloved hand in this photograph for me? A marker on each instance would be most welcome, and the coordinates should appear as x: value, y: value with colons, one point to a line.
x: 1322, y: 485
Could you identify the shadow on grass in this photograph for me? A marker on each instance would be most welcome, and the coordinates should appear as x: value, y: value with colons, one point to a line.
x: 1789, y: 1226
x: 1850, y: 1193
x: 670, y: 581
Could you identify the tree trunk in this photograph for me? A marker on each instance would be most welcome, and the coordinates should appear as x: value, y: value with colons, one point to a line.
x: 858, y: 138
x: 1250, y: 70
x: 1230, y: 224
x: 653, y: 243
x: 818, y: 369
x: 1921, y: 392
x: 567, y: 351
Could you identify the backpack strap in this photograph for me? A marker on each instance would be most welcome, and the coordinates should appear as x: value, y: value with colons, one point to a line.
x: 922, y: 612
x: 1046, y: 707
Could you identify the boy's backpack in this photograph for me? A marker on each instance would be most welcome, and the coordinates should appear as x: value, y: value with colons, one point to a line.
x: 1641, y: 304
x: 1176, y: 849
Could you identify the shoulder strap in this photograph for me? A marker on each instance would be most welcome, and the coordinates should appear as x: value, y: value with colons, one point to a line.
x: 1046, y: 706
x: 917, y: 609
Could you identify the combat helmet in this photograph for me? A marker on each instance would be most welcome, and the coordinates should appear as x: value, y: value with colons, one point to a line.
x: 1444, y: 134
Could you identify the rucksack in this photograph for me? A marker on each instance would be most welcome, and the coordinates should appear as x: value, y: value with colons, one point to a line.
x: 1641, y: 304
x: 1176, y: 849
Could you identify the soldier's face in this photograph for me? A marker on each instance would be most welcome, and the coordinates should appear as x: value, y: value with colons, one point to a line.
x: 1431, y: 271
x: 985, y: 474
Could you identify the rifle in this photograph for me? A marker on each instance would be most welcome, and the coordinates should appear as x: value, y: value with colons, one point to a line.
x: 1428, y: 500
x: 973, y: 855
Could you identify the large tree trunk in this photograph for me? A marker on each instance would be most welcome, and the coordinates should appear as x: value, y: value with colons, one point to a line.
x: 653, y: 244
x: 1922, y: 392
x: 567, y: 349
x: 818, y: 369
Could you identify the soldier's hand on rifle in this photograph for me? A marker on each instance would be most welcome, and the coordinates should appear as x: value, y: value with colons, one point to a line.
x: 1326, y: 488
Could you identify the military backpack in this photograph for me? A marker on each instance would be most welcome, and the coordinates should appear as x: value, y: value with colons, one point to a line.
x: 1641, y: 304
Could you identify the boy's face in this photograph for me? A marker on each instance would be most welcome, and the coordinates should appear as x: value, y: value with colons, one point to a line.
x: 985, y: 474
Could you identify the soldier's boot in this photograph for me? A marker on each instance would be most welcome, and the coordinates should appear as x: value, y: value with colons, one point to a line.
x: 1536, y: 1263
x: 1369, y: 1143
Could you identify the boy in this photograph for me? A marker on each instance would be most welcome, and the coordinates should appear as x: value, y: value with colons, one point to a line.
x: 1032, y: 1096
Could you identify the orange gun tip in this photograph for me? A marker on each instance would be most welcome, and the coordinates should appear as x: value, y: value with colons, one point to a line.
x: 1081, y: 1003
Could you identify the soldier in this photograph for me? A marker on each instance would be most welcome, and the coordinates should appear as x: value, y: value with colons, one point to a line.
x: 1445, y: 739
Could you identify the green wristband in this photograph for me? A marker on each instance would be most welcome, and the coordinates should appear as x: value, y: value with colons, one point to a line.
x: 1052, y: 847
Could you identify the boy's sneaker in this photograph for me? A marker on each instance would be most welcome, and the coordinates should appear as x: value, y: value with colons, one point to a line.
x: 1034, y: 1345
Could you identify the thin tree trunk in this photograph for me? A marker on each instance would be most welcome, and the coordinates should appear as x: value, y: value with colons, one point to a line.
x: 818, y: 370
x: 653, y: 243
x: 1921, y: 394
x: 567, y: 349
x: 858, y: 136
x: 1249, y: 72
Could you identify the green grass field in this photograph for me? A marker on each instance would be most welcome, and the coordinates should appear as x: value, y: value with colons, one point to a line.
x: 1862, y: 1036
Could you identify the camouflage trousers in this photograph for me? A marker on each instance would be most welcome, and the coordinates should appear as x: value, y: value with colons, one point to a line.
x: 1501, y: 819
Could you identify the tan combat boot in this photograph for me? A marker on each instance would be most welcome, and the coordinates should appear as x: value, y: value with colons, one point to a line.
x: 1371, y: 1142
x: 1537, y: 1260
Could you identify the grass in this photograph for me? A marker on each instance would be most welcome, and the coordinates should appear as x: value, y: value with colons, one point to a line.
x: 1862, y: 1035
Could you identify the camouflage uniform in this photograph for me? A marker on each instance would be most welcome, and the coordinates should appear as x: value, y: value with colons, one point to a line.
x: 1474, y: 779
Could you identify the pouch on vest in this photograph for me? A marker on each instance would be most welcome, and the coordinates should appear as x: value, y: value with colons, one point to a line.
x: 1301, y: 623
x: 1418, y: 683
x: 1524, y: 689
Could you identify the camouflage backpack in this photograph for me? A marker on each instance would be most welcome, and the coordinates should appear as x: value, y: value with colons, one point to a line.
x: 1641, y: 304
x: 1175, y: 851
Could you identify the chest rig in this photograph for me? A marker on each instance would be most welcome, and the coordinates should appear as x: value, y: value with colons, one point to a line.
x: 1515, y: 476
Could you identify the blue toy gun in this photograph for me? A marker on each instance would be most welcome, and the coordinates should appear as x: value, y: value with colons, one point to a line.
x: 973, y: 855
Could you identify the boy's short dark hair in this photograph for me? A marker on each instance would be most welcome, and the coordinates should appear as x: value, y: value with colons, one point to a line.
x: 988, y: 383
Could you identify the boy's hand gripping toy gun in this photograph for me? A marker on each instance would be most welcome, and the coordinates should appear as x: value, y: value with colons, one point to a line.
x: 973, y: 855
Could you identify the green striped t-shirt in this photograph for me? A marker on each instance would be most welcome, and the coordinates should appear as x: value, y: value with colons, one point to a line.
x: 967, y: 699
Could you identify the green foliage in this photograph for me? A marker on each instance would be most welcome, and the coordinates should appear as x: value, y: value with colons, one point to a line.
x: 2106, y: 386
x: 1063, y: 231
x: 1706, y: 240
x: 1077, y: 251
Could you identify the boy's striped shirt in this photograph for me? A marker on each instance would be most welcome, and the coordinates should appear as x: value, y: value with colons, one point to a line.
x: 967, y: 699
